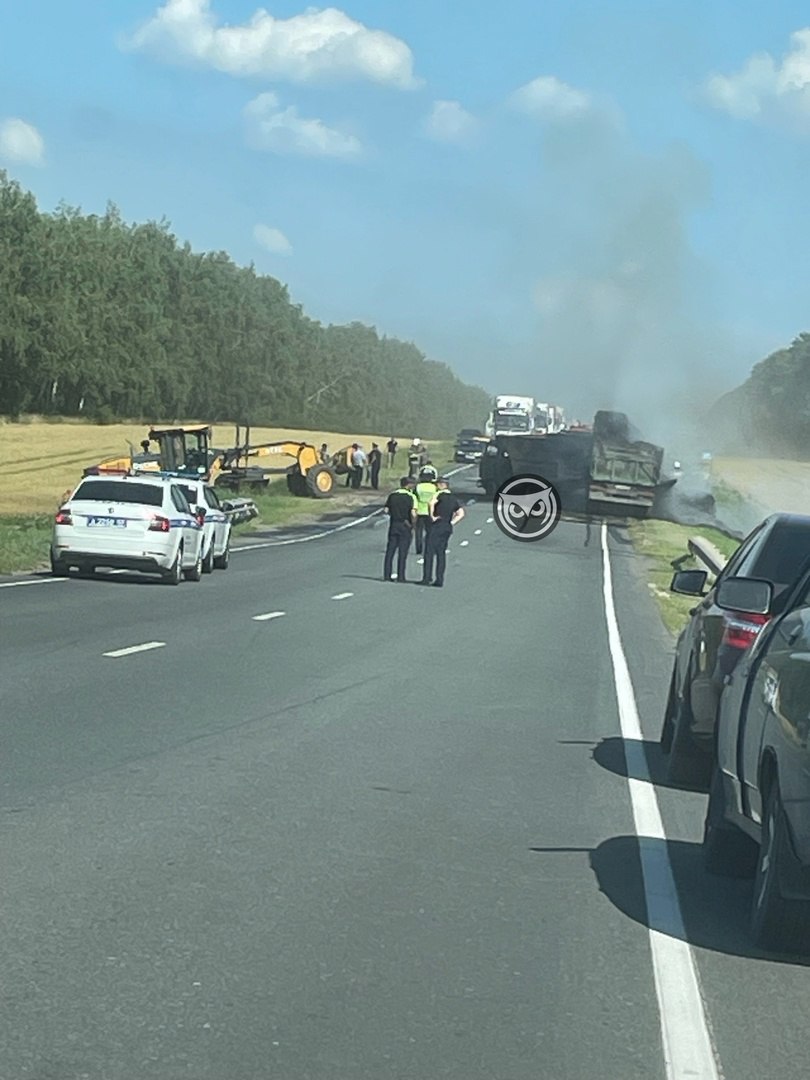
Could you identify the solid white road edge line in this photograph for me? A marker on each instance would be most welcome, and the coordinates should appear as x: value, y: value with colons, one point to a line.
x: 687, y: 1043
x: 269, y: 615
x: 30, y: 581
x: 342, y: 595
x: 137, y: 648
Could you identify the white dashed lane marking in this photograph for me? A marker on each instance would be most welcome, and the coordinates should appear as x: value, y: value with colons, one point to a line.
x: 269, y: 615
x: 146, y: 647
x: 464, y: 543
x: 342, y: 595
x: 477, y: 532
x: 490, y: 520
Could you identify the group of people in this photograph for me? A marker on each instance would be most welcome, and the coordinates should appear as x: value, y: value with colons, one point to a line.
x: 427, y: 510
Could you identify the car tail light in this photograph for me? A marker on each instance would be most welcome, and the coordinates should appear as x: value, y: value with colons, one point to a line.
x: 740, y: 629
x: 64, y: 517
x: 159, y: 524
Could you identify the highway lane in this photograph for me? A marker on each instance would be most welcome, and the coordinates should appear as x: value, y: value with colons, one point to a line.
x: 268, y: 849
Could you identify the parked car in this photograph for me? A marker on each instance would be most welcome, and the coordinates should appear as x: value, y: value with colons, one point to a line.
x: 758, y: 817
x: 216, y: 523
x: 713, y: 640
x: 129, y: 522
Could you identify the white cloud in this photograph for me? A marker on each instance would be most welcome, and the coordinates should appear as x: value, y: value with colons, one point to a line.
x: 21, y: 142
x: 550, y: 99
x: 283, y: 131
x: 316, y: 45
x: 450, y: 122
x: 272, y: 240
x: 764, y: 87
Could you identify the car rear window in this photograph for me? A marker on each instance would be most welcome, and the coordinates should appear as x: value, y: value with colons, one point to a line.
x: 189, y: 492
x: 119, y: 491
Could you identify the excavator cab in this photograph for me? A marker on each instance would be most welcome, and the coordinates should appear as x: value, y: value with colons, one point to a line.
x: 185, y: 450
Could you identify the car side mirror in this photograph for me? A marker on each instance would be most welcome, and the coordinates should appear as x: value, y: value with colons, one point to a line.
x: 750, y: 595
x: 689, y: 582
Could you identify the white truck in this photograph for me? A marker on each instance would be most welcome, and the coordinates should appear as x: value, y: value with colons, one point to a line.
x: 548, y: 419
x: 512, y: 414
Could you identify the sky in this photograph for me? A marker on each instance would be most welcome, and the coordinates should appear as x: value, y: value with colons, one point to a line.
x: 601, y: 204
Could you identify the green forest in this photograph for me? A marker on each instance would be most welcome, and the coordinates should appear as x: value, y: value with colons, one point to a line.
x: 770, y: 412
x: 110, y: 320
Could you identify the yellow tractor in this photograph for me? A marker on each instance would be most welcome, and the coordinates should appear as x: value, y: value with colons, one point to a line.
x: 187, y: 450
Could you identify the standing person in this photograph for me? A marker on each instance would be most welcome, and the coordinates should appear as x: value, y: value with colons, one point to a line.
x: 429, y: 472
x: 324, y: 454
x: 401, y: 509
x: 426, y: 492
x: 445, y: 512
x: 358, y: 463
x: 391, y: 448
x: 374, y: 463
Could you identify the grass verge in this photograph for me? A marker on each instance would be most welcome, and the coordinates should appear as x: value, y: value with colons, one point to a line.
x: 25, y: 542
x: 661, y: 542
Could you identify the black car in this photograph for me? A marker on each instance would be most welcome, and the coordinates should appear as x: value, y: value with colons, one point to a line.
x: 710, y: 645
x: 758, y: 817
x: 470, y: 445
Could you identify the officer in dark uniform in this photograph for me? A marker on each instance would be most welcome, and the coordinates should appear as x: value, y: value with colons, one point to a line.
x: 445, y: 512
x: 401, y: 509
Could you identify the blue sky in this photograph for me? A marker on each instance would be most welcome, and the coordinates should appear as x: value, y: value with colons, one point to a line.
x: 593, y: 202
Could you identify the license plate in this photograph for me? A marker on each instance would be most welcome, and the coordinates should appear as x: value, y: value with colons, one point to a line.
x: 108, y: 522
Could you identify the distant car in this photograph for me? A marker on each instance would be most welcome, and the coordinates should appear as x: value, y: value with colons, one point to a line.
x: 129, y: 522
x: 470, y: 444
x: 758, y: 816
x: 216, y: 523
x: 710, y: 645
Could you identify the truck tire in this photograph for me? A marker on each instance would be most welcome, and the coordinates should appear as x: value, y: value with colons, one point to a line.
x: 727, y: 850
x: 776, y: 923
x: 320, y: 481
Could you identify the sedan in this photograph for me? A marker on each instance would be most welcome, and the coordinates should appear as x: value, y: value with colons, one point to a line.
x: 758, y: 817
x: 203, y: 500
x: 130, y: 522
x: 710, y: 645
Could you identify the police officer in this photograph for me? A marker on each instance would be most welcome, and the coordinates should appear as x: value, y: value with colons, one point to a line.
x: 429, y: 472
x: 401, y: 509
x: 426, y: 492
x: 445, y: 512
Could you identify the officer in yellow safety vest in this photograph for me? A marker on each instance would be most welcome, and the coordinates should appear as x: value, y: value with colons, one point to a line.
x: 426, y: 491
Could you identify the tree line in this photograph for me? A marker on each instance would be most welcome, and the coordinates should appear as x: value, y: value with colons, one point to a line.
x: 111, y: 320
x: 770, y: 412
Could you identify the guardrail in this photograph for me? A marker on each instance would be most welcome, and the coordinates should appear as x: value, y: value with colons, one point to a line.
x: 706, y: 553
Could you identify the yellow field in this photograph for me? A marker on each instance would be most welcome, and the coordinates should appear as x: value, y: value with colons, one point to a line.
x: 41, y: 461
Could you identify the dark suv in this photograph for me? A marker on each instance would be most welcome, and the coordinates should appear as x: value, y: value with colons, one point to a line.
x: 778, y: 550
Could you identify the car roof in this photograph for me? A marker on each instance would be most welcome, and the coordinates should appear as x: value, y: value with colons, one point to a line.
x: 135, y: 478
x: 786, y: 518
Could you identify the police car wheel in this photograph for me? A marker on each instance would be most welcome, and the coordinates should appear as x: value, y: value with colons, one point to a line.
x: 195, y: 573
x: 208, y: 561
x: 221, y: 561
x: 174, y: 575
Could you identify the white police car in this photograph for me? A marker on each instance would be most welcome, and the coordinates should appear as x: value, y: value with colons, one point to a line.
x: 216, y: 523
x: 129, y: 522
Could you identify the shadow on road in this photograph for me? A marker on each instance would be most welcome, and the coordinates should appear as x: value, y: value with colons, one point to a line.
x: 715, y: 910
x: 637, y: 759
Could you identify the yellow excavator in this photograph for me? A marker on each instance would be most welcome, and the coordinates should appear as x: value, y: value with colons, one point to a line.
x: 187, y: 450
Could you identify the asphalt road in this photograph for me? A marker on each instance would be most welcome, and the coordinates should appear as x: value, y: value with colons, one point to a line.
x: 386, y: 833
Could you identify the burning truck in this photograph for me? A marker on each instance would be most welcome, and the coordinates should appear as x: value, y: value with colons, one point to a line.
x: 604, y: 469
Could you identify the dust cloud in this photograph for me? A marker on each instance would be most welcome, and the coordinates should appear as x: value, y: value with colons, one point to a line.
x: 624, y: 304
